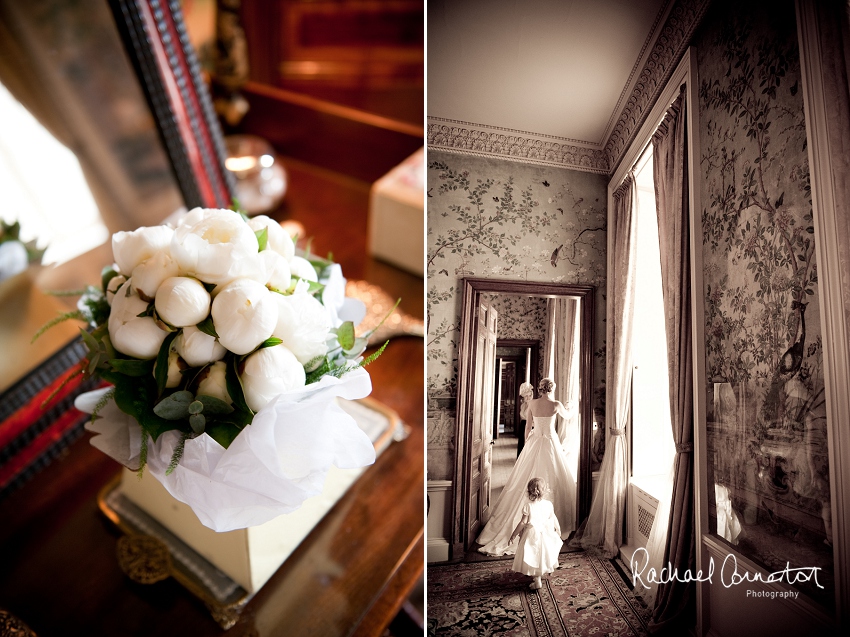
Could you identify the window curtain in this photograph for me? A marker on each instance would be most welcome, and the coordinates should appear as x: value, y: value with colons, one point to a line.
x: 602, y: 532
x: 671, y: 197
x: 562, y: 360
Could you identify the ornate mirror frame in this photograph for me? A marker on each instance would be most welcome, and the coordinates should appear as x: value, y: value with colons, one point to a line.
x: 157, y: 44
x: 473, y: 288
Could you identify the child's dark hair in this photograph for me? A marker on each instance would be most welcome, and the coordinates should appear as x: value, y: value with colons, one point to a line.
x: 536, y: 488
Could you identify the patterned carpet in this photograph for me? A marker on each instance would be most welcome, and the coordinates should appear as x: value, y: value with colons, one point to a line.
x: 585, y: 596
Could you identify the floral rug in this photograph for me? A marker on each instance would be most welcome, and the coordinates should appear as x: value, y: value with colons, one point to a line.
x: 585, y: 596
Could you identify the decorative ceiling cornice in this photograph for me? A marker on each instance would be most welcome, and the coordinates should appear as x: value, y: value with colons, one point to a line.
x: 531, y: 148
x: 535, y: 148
x: 674, y: 38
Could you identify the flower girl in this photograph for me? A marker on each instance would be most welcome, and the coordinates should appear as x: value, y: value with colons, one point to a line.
x: 540, y: 541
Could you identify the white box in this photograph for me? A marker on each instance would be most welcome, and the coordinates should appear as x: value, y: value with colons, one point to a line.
x: 397, y: 215
x: 251, y: 556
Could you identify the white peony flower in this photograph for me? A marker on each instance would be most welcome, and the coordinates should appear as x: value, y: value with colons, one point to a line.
x: 303, y: 324
x: 182, y: 301
x: 279, y: 239
x: 150, y: 273
x: 13, y: 259
x: 209, y: 244
x: 303, y: 269
x: 213, y: 383
x: 277, y: 272
x: 114, y: 283
x: 129, y: 249
x: 197, y: 348
x: 174, y: 376
x: 244, y: 313
x: 131, y: 334
x: 269, y: 372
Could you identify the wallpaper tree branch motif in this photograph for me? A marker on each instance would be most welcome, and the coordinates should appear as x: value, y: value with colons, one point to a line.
x: 767, y: 432
x: 505, y: 220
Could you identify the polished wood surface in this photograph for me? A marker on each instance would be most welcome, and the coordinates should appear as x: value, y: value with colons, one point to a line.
x: 58, y: 571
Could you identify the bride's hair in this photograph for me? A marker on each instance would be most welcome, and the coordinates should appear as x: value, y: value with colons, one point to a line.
x: 546, y: 385
x: 536, y: 488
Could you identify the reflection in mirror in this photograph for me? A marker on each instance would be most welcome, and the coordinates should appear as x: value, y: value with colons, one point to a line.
x: 515, y: 333
x: 67, y: 85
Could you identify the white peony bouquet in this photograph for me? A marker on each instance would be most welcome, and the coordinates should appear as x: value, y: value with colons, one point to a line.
x: 225, y: 351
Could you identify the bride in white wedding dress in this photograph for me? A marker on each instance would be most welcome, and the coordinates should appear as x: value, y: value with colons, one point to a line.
x: 542, y: 457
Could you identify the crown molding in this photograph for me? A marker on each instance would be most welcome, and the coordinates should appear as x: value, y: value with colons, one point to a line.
x: 675, y: 36
x: 680, y: 21
x: 466, y: 138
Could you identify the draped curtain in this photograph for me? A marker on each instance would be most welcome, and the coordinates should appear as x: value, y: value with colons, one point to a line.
x: 562, y: 367
x: 671, y: 200
x: 602, y: 532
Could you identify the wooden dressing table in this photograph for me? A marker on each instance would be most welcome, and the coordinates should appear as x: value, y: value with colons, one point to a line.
x: 58, y: 568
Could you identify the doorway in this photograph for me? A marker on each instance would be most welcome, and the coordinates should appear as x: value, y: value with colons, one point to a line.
x: 477, y: 424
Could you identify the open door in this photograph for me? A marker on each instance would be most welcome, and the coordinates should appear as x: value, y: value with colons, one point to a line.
x: 481, y: 450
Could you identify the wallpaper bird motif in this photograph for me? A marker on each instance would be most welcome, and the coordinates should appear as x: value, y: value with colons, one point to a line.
x: 767, y: 420
x: 499, y: 219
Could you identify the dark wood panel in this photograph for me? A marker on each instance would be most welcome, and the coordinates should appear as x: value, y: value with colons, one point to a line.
x: 342, y: 139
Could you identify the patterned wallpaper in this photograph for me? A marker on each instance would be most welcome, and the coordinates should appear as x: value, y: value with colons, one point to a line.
x: 504, y: 220
x: 521, y: 317
x: 767, y: 423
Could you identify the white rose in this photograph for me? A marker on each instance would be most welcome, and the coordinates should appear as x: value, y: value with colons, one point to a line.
x: 279, y: 239
x: 303, y: 325
x: 150, y: 273
x: 114, y: 283
x: 303, y: 269
x: 269, y: 372
x: 131, y: 334
x: 244, y: 313
x: 210, y: 248
x: 129, y: 249
x: 182, y: 301
x: 197, y: 348
x: 214, y: 383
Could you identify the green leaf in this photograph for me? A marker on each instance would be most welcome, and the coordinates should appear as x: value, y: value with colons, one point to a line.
x: 224, y: 432
x: 214, y: 406
x: 76, y: 314
x: 177, y: 455
x: 195, y: 407
x: 136, y: 397
x: 262, y: 238
x: 356, y: 349
x: 90, y: 341
x: 174, y: 406
x: 106, y: 275
x: 161, y: 367
x: 345, y: 334
x: 234, y: 386
x: 207, y: 327
x: 131, y: 366
x: 373, y: 357
x: 197, y: 422
x: 270, y: 342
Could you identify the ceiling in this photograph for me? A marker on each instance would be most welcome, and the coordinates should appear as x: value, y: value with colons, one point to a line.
x: 559, y: 69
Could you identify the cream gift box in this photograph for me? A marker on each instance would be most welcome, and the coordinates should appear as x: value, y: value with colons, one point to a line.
x: 251, y: 556
x: 397, y: 217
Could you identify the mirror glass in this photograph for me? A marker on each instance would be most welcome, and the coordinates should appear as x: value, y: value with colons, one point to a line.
x: 80, y: 158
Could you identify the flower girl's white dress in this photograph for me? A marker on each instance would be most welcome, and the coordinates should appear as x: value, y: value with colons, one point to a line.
x: 540, y: 541
x: 542, y: 457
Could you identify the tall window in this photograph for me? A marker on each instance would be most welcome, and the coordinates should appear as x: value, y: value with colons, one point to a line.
x: 652, y: 440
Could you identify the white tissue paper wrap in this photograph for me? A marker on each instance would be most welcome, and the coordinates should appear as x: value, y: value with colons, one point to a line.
x: 274, y: 464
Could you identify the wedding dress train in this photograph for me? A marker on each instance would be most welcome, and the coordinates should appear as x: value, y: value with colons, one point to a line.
x: 542, y: 457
